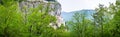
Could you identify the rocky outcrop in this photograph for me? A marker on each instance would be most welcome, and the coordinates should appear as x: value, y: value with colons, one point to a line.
x: 54, y: 9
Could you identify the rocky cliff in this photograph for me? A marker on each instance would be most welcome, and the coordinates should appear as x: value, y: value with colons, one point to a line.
x: 54, y: 9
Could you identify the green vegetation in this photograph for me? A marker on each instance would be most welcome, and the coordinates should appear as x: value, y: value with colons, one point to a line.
x: 15, y: 23
x: 105, y: 23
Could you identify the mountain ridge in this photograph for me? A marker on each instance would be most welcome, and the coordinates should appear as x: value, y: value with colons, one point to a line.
x: 67, y: 16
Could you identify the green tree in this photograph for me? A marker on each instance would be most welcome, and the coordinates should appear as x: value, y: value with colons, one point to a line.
x: 100, y: 19
x: 115, y: 21
x: 12, y: 22
x: 80, y: 26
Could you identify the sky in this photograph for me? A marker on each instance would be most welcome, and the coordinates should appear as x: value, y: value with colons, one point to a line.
x: 74, y: 5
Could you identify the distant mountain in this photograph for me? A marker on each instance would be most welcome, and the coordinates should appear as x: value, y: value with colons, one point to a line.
x: 68, y: 15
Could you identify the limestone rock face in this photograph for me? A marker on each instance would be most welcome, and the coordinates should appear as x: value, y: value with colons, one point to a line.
x: 54, y: 9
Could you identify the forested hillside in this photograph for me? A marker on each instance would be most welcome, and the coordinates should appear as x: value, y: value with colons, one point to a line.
x: 67, y: 16
x: 13, y: 23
